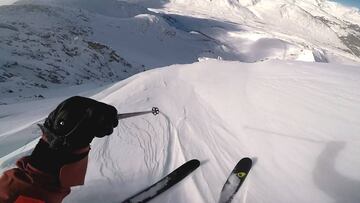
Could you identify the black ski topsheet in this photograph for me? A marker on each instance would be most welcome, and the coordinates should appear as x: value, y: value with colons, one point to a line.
x: 235, y: 180
x: 165, y: 183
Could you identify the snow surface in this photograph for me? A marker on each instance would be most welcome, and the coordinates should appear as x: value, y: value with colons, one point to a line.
x: 231, y: 79
x: 299, y: 121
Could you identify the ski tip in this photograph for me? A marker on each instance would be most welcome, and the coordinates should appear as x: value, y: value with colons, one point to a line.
x: 195, y: 162
x: 247, y: 161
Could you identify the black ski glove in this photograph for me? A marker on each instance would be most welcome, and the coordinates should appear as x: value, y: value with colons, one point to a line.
x: 68, y: 131
x: 76, y: 121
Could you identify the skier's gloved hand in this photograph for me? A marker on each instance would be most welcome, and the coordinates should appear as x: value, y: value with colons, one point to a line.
x: 76, y: 121
x: 67, y: 132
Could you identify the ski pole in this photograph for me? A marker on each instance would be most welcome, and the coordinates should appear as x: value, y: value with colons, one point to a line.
x: 155, y: 111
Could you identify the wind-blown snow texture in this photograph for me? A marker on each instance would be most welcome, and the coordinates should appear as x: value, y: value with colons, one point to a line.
x: 277, y: 81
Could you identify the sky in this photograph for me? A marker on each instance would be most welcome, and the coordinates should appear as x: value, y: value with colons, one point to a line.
x: 355, y: 3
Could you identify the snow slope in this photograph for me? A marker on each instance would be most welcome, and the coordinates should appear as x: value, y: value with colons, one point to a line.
x: 264, y: 79
x: 324, y: 25
x: 50, y: 44
x: 298, y: 121
x: 80, y: 42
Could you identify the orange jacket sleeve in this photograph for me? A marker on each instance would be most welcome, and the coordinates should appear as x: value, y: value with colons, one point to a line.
x: 25, y: 181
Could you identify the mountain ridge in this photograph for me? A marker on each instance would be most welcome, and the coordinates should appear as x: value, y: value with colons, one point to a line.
x: 70, y: 47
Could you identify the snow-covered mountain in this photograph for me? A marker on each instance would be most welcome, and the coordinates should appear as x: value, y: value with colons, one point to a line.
x: 316, y: 24
x: 276, y: 80
x: 48, y: 44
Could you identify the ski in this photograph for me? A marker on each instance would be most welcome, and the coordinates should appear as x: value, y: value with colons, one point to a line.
x: 235, y: 180
x: 165, y: 183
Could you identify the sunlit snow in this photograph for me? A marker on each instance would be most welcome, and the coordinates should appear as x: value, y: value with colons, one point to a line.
x: 230, y: 80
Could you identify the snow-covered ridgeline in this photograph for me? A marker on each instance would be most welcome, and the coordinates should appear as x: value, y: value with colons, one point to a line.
x: 298, y: 121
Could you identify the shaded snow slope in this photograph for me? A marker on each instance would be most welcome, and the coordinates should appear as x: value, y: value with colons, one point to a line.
x: 298, y: 121
x: 49, y: 44
x: 111, y: 8
x: 44, y: 47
